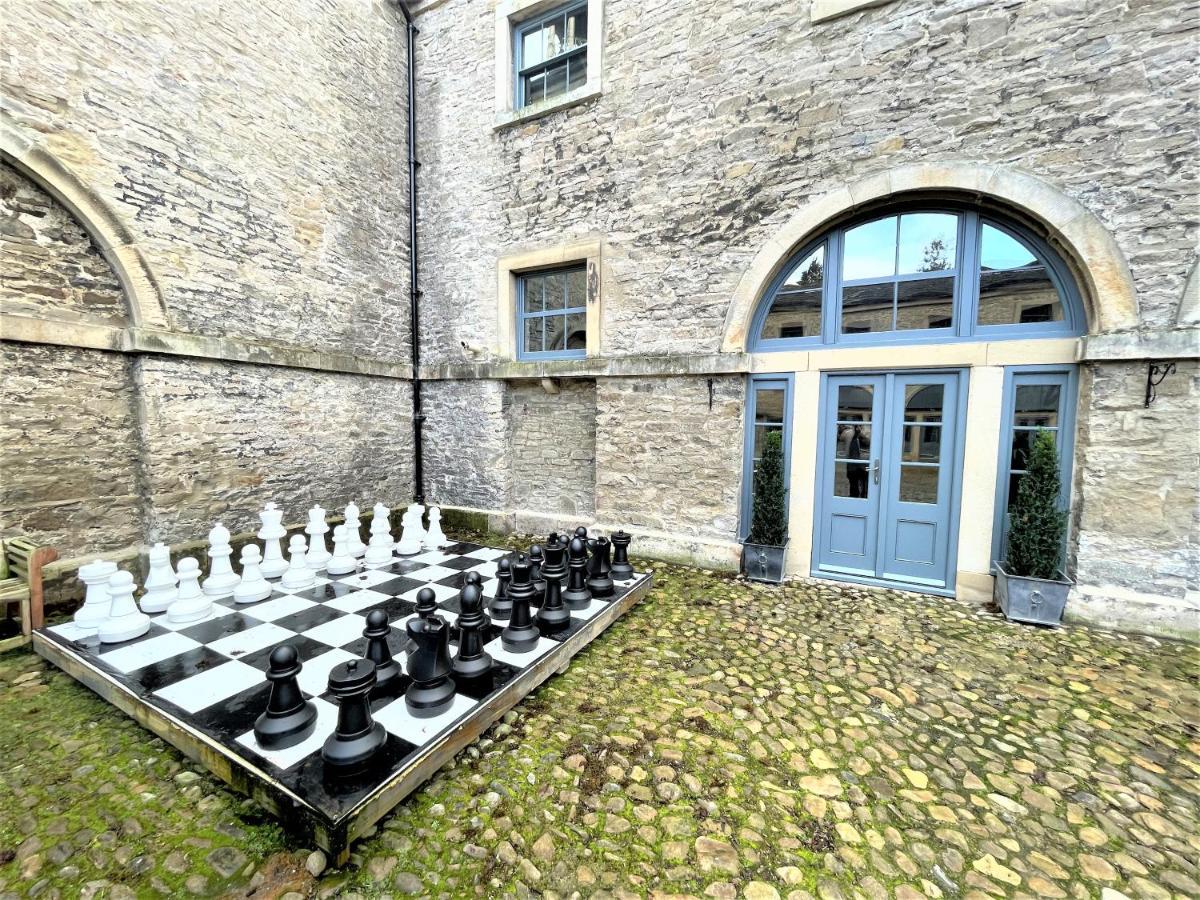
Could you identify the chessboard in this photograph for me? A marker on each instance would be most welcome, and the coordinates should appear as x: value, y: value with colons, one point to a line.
x: 200, y: 686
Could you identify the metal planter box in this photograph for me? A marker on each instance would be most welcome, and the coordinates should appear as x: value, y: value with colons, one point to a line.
x: 763, y: 562
x: 1035, y: 600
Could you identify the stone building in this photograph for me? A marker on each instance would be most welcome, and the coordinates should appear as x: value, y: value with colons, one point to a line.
x: 904, y: 233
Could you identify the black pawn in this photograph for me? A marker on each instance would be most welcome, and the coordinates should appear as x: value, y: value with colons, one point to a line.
x: 379, y: 652
x: 535, y: 575
x: 432, y: 689
x: 472, y: 660
x: 600, y: 581
x: 553, y: 616
x: 520, y: 635
x: 357, y: 737
x: 576, y: 595
x: 621, y: 569
x: 501, y: 606
x: 581, y: 532
x: 473, y: 578
x: 289, y: 718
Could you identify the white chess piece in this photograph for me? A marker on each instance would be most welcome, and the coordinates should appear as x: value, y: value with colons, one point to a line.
x: 435, y: 538
x: 253, y: 587
x: 298, y: 576
x: 356, y: 547
x: 410, y: 534
x: 271, y: 533
x: 341, y: 562
x: 418, y: 514
x: 379, y: 548
x: 318, y: 553
x: 221, y: 578
x: 125, y: 621
x: 96, y: 601
x: 161, y: 581
x: 191, y: 605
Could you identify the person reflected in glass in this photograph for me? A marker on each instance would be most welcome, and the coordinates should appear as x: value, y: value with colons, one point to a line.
x: 857, y: 444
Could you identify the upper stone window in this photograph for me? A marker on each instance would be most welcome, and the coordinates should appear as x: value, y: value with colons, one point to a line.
x: 551, y: 54
x: 918, y: 275
x: 552, y: 314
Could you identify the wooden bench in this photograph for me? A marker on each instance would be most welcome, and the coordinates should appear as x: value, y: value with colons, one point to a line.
x: 21, y: 563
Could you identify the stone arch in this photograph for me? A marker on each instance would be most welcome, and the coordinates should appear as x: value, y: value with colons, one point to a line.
x: 1100, y: 268
x: 116, y: 242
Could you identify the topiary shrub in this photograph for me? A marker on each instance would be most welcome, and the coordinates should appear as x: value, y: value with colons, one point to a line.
x: 1036, y: 524
x: 769, y: 524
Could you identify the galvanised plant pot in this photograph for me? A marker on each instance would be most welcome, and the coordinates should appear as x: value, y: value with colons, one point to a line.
x: 763, y: 562
x: 1037, y: 600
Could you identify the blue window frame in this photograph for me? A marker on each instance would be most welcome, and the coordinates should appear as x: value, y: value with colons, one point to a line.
x: 552, y: 314
x: 550, y: 54
x: 768, y: 408
x: 1035, y: 398
x: 919, y: 275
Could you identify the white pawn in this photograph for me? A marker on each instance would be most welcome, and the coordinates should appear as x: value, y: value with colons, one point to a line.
x: 410, y: 535
x: 271, y: 533
x: 379, y: 548
x: 435, y: 538
x: 341, y: 562
x: 253, y: 587
x: 161, y: 581
x: 221, y: 577
x: 96, y: 601
x: 356, y: 547
x: 318, y: 553
x: 125, y: 621
x: 298, y: 576
x: 418, y: 514
x: 191, y: 605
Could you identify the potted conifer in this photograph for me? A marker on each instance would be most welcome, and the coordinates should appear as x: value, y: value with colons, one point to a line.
x: 765, y: 546
x: 1030, y: 585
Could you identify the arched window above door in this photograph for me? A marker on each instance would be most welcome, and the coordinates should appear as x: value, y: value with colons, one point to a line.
x: 915, y: 275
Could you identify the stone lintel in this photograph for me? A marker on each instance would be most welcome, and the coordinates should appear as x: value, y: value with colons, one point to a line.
x: 611, y: 367
x: 136, y: 341
x: 1175, y: 343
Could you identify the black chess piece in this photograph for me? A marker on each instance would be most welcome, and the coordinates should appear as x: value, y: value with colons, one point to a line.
x: 426, y: 607
x: 535, y: 575
x: 357, y: 737
x: 581, y: 532
x: 501, y: 606
x: 289, y: 718
x: 387, y: 670
x: 553, y: 616
x: 472, y: 660
x: 432, y: 688
x: 520, y: 635
x: 599, y: 580
x: 621, y: 569
x: 474, y: 578
x: 576, y: 595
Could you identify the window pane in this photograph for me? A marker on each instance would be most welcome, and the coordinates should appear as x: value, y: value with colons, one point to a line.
x: 555, y: 336
x: 577, y: 331
x: 1036, y: 405
x: 867, y: 307
x: 531, y: 48
x: 554, y: 33
x: 556, y: 79
x: 1014, y: 286
x: 577, y: 28
x: 535, y: 293
x: 919, y: 484
x: 923, y: 402
x: 768, y: 405
x: 854, y: 402
x: 576, y: 289
x: 921, y: 443
x: 869, y: 251
x: 796, y: 310
x: 535, y: 87
x: 853, y: 441
x: 851, y: 480
x: 928, y: 242
x: 1014, y: 482
x: 917, y: 302
x: 760, y: 434
x: 576, y: 71
x: 556, y: 284
x: 533, y: 335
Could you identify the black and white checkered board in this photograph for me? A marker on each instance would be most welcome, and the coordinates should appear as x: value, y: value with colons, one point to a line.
x: 209, y: 676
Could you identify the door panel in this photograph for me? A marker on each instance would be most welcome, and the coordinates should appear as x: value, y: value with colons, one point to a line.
x: 850, y: 532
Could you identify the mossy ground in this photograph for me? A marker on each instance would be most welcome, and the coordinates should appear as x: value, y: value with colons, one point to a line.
x: 721, y: 738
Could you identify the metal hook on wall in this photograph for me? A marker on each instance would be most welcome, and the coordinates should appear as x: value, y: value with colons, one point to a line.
x: 1155, y: 375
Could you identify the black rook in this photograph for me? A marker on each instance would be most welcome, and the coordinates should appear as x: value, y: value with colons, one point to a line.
x: 520, y: 635
x: 553, y: 616
x: 358, y: 737
x: 621, y: 569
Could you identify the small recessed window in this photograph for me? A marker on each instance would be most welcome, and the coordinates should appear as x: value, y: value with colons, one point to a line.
x: 551, y: 54
x: 552, y: 314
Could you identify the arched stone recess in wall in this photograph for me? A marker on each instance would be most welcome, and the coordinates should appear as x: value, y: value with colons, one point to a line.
x: 1080, y: 237
x: 107, y: 231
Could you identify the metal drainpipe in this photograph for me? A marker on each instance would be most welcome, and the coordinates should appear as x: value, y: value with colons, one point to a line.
x: 414, y: 291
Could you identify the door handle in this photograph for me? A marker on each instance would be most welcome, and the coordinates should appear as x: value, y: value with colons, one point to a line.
x: 875, y: 470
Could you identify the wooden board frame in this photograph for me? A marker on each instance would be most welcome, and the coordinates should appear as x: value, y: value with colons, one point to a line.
x: 334, y: 836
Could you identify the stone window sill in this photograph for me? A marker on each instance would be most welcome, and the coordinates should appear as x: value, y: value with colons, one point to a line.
x: 511, y: 117
x: 824, y: 10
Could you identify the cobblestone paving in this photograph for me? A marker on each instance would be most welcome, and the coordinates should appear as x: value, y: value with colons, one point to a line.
x: 722, y: 739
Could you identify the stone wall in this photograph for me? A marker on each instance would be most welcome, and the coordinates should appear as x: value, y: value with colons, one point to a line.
x: 553, y: 441
x: 466, y: 443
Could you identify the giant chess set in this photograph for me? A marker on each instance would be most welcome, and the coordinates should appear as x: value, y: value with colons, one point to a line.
x: 329, y: 685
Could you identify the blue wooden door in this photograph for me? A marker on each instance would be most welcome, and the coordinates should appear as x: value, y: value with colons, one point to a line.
x: 889, y: 477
